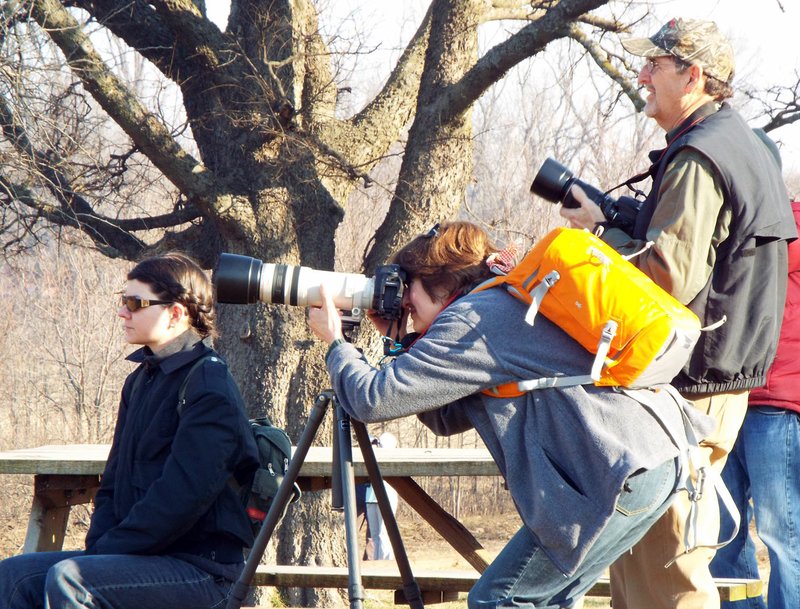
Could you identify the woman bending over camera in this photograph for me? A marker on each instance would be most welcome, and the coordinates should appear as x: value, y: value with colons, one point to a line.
x: 589, y: 468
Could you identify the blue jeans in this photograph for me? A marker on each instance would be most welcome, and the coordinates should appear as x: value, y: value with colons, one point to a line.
x: 523, y: 576
x: 765, y: 466
x: 69, y: 580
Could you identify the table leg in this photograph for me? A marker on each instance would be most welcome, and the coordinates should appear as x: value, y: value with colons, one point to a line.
x: 46, y: 528
x: 53, y: 496
x: 455, y: 533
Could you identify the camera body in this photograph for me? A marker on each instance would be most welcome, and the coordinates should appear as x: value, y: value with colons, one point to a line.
x: 245, y: 280
x: 554, y: 181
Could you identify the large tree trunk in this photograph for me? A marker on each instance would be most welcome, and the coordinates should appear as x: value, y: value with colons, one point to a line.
x: 276, y: 360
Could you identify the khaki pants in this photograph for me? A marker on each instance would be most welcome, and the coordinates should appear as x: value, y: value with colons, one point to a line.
x: 638, y: 578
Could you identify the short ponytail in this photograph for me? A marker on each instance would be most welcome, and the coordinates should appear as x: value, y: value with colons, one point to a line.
x: 451, y: 259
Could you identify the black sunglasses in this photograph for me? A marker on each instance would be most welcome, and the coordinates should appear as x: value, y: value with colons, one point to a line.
x: 134, y: 303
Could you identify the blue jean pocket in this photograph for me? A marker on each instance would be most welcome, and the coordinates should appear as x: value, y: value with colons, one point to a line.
x: 772, y: 411
x: 644, y: 491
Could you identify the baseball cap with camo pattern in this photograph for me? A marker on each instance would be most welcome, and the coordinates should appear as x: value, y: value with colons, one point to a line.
x: 690, y: 40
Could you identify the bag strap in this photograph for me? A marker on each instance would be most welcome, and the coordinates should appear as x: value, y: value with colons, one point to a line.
x: 603, y: 345
x: 184, y: 385
x: 138, y: 382
x: 707, y: 478
x: 549, y: 382
x: 538, y: 293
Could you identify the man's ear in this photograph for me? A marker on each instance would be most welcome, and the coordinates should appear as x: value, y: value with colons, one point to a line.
x: 695, y: 75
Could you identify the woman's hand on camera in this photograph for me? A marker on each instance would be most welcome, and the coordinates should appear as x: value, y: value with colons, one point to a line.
x: 325, y: 321
x: 588, y: 215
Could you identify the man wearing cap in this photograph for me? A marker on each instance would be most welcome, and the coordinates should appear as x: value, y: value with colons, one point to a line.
x: 718, y: 221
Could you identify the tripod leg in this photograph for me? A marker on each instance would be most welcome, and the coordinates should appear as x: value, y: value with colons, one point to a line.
x: 348, y: 489
x: 280, y: 503
x: 410, y: 587
x: 337, y: 500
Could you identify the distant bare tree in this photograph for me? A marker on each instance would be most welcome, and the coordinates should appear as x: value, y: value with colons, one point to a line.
x: 64, y: 367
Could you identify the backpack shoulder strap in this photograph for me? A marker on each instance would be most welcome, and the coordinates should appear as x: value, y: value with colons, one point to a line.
x: 182, y: 391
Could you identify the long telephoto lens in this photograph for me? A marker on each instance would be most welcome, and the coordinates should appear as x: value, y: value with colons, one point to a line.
x: 245, y: 280
x: 237, y: 279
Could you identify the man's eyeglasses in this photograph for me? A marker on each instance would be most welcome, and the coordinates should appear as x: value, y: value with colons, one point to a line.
x: 134, y: 303
x: 653, y: 65
x: 434, y: 231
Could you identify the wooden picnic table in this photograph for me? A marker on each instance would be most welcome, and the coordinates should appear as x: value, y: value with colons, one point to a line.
x: 69, y: 474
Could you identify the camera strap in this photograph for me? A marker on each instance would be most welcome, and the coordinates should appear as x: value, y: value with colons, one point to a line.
x: 655, y: 157
x: 392, y: 347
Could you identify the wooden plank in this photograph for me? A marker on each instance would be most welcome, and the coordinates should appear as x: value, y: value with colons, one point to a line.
x: 445, y: 582
x: 738, y: 589
x: 62, y: 491
x: 89, y: 459
x: 429, y: 597
x: 337, y: 577
x: 77, y: 459
x: 408, y: 462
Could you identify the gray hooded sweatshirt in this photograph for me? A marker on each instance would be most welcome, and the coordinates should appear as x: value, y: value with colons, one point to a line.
x: 565, y: 453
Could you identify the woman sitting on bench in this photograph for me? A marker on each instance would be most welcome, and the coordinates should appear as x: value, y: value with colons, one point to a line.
x: 167, y: 530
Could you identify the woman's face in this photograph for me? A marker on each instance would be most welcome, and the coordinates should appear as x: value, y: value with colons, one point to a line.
x: 151, y: 326
x: 421, y: 307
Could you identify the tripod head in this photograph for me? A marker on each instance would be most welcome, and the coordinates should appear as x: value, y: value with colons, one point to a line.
x: 350, y: 325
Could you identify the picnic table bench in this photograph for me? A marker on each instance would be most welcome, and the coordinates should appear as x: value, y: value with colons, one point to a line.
x: 67, y: 475
x: 439, y: 586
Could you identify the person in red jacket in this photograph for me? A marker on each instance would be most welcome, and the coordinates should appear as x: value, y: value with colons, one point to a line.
x: 765, y: 466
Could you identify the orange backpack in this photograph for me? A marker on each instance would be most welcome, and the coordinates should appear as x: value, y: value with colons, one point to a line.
x: 640, y: 334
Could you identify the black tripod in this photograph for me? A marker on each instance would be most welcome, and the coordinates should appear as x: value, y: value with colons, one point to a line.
x: 343, y: 460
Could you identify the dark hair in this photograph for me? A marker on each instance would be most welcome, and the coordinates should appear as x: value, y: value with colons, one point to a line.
x: 178, y: 278
x: 717, y: 89
x: 449, y: 260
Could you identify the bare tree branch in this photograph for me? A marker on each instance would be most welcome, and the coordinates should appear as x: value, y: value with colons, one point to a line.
x: 530, y: 40
x: 603, y: 61
x: 152, y: 28
x: 149, y: 134
x: 780, y: 104
x: 144, y: 129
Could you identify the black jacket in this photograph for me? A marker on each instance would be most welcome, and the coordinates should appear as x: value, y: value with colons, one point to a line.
x: 165, y: 488
x: 747, y: 286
